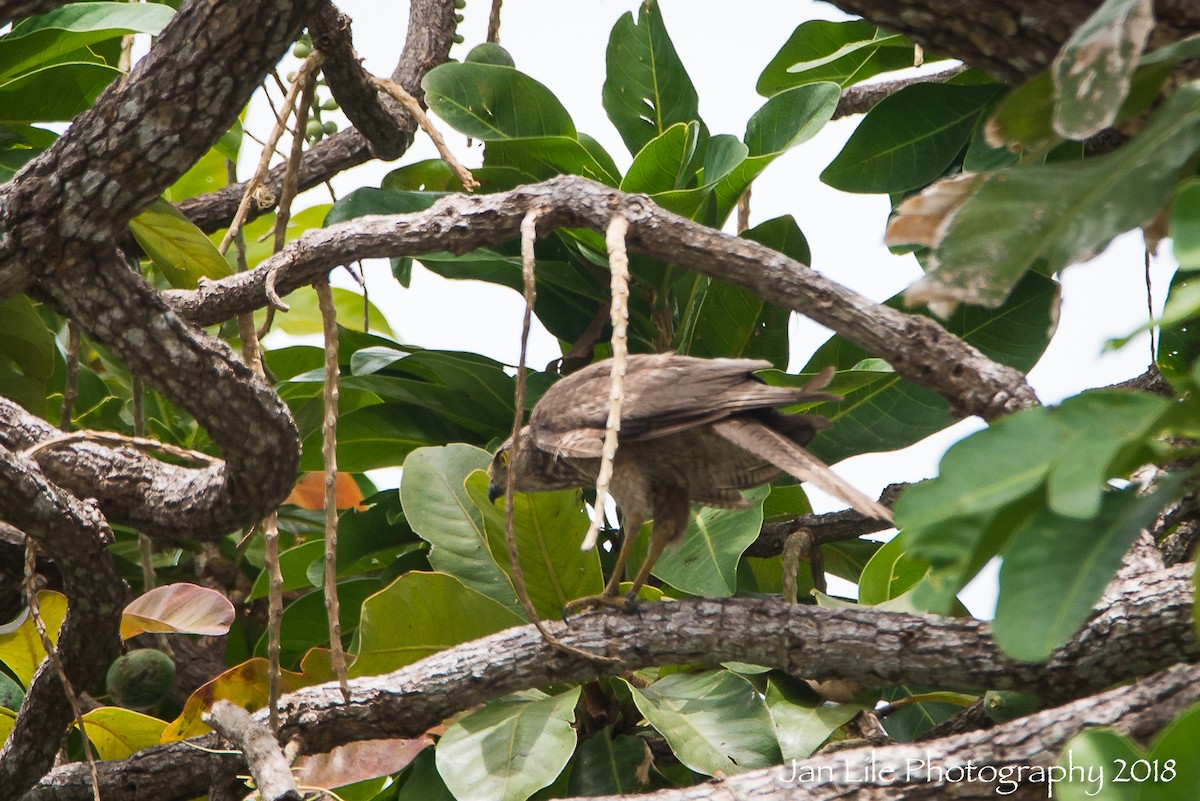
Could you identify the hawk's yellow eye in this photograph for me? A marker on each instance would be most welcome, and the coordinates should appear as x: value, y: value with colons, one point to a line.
x: 502, y: 458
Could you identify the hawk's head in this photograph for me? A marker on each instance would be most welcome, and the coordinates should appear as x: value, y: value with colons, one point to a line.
x: 534, y: 470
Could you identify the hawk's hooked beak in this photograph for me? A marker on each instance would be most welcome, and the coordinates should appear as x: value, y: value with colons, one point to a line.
x: 494, y: 491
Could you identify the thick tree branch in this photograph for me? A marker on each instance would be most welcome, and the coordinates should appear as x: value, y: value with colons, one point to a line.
x: 142, y: 133
x: 1005, y: 760
x: 1012, y: 39
x: 75, y: 535
x: 1147, y: 628
x: 430, y: 34
x: 917, y: 347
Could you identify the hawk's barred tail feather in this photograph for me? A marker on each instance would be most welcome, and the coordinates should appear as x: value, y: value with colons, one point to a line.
x: 770, y: 445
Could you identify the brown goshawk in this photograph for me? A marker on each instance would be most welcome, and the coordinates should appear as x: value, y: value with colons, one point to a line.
x: 692, y: 431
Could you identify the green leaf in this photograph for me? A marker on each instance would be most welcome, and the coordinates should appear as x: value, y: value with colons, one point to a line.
x: 420, y: 614
x: 304, y: 315
x: 842, y: 52
x: 380, y: 436
x: 55, y: 93
x: 67, y: 33
x: 786, y: 120
x: 305, y: 623
x: 802, y: 724
x: 180, y: 250
x: 733, y: 322
x: 25, y: 339
x: 909, y: 138
x: 607, y: 765
x: 666, y: 162
x: 1185, y: 225
x: 1055, y: 214
x: 423, y: 782
x: 510, y: 748
x: 647, y: 89
x: 880, y: 411
x: 890, y: 573
x: 1093, y: 70
x: 1176, y: 746
x: 548, y: 527
x: 438, y: 508
x: 1094, y: 753
x: 117, y: 733
x: 715, y: 722
x: 1179, y: 337
x: 705, y: 562
x: 1055, y: 569
x: 544, y: 157
x: 490, y: 102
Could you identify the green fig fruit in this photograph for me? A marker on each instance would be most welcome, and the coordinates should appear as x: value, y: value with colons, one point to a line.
x: 140, y: 679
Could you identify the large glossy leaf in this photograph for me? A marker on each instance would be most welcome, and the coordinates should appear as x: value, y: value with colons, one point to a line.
x: 647, y: 89
x: 491, y: 102
x: 663, y: 163
x: 880, y: 411
x: 1051, y: 214
x: 786, y: 120
x: 546, y: 156
x: 381, y: 436
x: 438, y: 508
x: 607, y: 765
x: 1093, y: 70
x: 510, y: 748
x: 305, y: 621
x: 54, y: 93
x: 705, y: 562
x: 179, y: 249
x: 803, y: 723
x: 842, y: 52
x: 548, y: 527
x: 66, y: 33
x: 1094, y: 753
x: 1055, y: 569
x: 909, y: 138
x: 715, y: 722
x: 420, y: 614
x: 994, y: 483
x: 1179, y: 337
x: 1175, y: 744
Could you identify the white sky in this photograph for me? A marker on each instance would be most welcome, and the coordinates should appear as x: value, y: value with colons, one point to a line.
x: 724, y: 47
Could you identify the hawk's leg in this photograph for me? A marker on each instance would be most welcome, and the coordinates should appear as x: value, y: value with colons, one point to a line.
x: 608, y: 597
x: 670, y: 523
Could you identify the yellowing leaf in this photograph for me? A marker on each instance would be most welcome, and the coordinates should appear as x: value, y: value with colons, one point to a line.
x: 244, y: 685
x: 21, y: 647
x: 118, y: 733
x: 180, y: 608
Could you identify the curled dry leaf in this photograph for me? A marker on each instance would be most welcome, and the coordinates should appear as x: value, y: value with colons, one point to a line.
x: 178, y: 608
x: 923, y: 220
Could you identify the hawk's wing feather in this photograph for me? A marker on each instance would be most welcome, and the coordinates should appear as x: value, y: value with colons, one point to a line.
x: 664, y: 394
x: 763, y: 442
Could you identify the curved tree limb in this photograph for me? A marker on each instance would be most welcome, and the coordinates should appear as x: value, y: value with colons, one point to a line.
x: 917, y: 347
x: 1148, y: 627
x: 75, y: 535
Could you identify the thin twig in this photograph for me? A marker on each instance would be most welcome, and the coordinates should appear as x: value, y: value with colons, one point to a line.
x: 329, y: 454
x: 306, y: 73
x: 414, y: 108
x: 493, y: 29
x: 1150, y: 308
x: 618, y: 262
